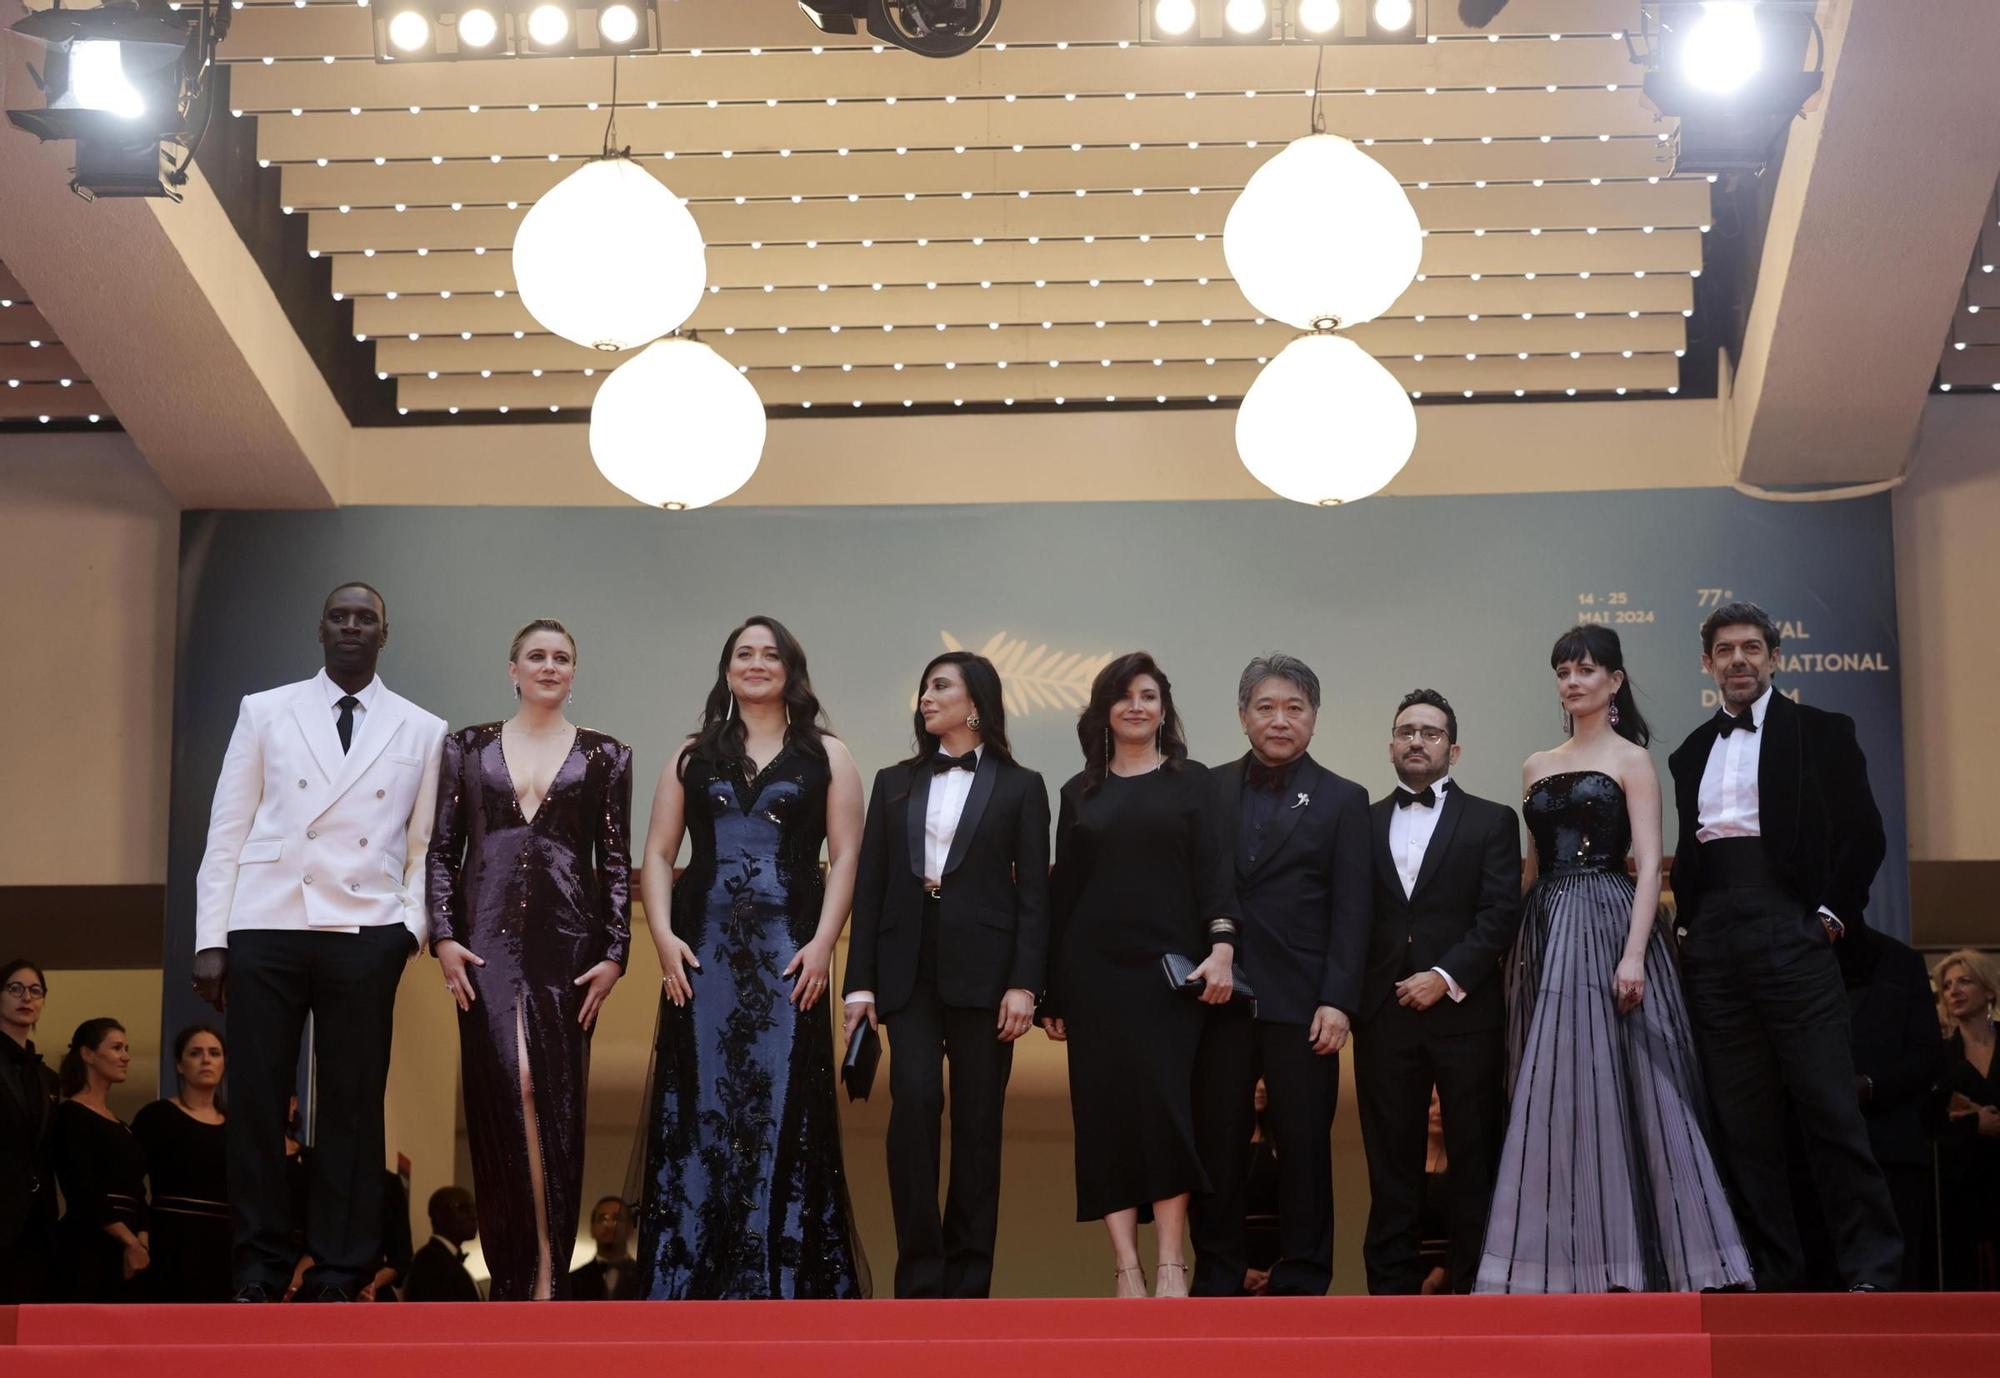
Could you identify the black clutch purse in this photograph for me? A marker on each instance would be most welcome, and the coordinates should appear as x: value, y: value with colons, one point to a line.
x: 1180, y: 974
x: 864, y: 1054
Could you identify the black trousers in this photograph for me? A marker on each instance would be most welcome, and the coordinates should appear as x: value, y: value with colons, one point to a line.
x: 1397, y: 1059
x: 1303, y: 1089
x: 1770, y: 1020
x: 949, y: 1255
x: 347, y: 982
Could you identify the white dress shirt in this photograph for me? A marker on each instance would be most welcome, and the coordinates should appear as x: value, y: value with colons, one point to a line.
x: 364, y: 700
x: 1411, y: 827
x: 945, y: 806
x: 1726, y: 805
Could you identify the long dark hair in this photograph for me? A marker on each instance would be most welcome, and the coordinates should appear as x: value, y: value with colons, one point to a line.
x: 721, y: 738
x: 982, y: 686
x: 1599, y: 645
x: 1093, y: 725
x: 73, y: 1076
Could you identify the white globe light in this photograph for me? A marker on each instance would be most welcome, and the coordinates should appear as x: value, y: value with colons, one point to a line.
x: 1324, y: 423
x: 477, y: 28
x: 1393, y: 14
x: 409, y: 31
x: 1246, y: 16
x: 1318, y: 16
x: 548, y: 25
x: 1174, y: 16
x: 677, y: 426
x: 618, y: 23
x: 1723, y: 50
x: 609, y: 257
x: 1322, y: 233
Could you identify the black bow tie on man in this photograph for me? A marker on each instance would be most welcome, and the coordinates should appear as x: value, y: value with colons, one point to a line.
x: 1727, y: 722
x: 942, y: 763
x: 1405, y: 797
x: 1268, y: 778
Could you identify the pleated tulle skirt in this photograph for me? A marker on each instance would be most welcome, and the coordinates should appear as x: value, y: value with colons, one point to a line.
x: 1606, y: 1182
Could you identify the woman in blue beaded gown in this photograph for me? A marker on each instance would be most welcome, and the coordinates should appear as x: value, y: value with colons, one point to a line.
x: 1606, y: 1182
x: 744, y: 1194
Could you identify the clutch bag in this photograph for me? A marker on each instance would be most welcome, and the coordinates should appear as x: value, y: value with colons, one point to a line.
x: 864, y: 1054
x: 1180, y: 975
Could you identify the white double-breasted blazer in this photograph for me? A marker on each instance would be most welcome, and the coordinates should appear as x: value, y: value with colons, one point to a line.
x: 303, y: 836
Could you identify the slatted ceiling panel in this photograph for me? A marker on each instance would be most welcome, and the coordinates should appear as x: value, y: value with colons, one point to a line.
x: 40, y: 382
x: 1972, y: 348
x: 821, y: 232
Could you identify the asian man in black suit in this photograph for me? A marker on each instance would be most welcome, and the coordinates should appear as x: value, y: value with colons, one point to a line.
x: 949, y: 948
x: 1300, y: 835
x: 1447, y: 907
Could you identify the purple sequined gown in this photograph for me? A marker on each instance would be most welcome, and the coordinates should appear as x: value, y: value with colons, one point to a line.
x: 541, y: 901
x: 744, y: 1191
x: 1606, y: 1182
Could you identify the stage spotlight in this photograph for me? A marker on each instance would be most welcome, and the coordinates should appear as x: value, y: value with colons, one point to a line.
x: 1174, y: 17
x: 1736, y: 74
x: 1319, y: 16
x: 409, y: 31
x: 1723, y: 48
x: 929, y: 28
x: 476, y: 29
x: 1394, y: 14
x: 1246, y: 17
x: 618, y: 23
x: 548, y: 25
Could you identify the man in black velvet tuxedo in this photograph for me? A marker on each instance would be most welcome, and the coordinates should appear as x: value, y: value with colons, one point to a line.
x: 1447, y: 906
x: 1779, y: 842
x: 1300, y: 834
x: 949, y: 949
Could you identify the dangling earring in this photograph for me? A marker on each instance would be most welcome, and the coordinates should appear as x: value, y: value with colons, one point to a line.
x: 1107, y: 748
x: 788, y: 717
x: 972, y: 722
x: 1569, y: 727
x: 572, y: 697
x: 730, y: 712
x: 517, y: 693
x: 1614, y: 712
x: 1159, y: 747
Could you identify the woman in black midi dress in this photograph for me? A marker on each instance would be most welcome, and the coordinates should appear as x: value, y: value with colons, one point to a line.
x: 1141, y: 871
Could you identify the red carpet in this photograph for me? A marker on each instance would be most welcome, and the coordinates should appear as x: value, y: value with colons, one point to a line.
x: 1463, y: 1337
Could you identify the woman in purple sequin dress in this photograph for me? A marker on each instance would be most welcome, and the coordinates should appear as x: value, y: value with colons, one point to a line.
x: 1606, y: 1182
x: 529, y: 889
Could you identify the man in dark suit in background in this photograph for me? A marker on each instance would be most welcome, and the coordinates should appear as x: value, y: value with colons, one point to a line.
x: 1779, y: 841
x: 1300, y: 835
x: 614, y: 1274
x: 949, y: 950
x: 437, y: 1271
x: 1447, y: 906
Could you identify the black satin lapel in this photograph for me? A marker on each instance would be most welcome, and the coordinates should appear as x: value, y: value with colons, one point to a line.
x: 1453, y: 805
x: 918, y: 803
x: 1289, y: 809
x: 1232, y: 806
x: 1385, y: 864
x: 975, y: 806
x: 1779, y: 774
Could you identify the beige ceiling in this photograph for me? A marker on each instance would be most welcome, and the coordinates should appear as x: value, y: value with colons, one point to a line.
x: 39, y: 381
x: 1039, y: 220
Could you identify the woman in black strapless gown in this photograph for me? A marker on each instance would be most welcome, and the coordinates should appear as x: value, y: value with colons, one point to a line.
x: 1606, y: 1182
x: 530, y: 910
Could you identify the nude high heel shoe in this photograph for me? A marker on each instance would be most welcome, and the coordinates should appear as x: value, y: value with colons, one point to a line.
x: 1131, y: 1282
x: 1172, y: 1280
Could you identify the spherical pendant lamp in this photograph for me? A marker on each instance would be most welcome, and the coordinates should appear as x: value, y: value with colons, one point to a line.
x: 677, y: 426
x: 1322, y: 236
x: 609, y: 257
x: 1324, y: 423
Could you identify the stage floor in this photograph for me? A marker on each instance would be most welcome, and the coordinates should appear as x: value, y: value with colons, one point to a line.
x: 1393, y: 1337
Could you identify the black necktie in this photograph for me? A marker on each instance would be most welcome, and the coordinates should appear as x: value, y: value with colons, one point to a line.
x: 1270, y: 779
x: 1427, y: 797
x: 348, y: 703
x: 1727, y: 722
x: 942, y: 763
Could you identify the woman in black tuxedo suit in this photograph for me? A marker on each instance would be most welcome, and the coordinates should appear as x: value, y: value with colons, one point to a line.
x: 949, y: 944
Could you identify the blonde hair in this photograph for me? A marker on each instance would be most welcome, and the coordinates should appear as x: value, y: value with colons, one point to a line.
x: 1977, y: 965
x: 540, y: 624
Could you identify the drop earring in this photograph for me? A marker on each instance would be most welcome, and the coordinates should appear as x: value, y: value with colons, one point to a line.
x: 729, y: 712
x: 1614, y: 712
x: 1159, y: 748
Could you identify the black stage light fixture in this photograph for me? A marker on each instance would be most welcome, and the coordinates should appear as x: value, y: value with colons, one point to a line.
x: 1734, y: 71
x: 120, y: 82
x: 464, y: 30
x: 1259, y: 22
x: 930, y: 28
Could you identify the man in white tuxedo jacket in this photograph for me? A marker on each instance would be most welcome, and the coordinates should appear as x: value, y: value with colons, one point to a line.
x: 310, y: 901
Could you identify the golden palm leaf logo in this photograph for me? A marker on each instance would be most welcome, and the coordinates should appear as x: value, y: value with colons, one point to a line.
x: 1037, y: 678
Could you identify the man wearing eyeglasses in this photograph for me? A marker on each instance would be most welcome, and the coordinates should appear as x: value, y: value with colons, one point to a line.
x: 27, y: 1118
x: 1447, y: 905
x: 613, y: 1275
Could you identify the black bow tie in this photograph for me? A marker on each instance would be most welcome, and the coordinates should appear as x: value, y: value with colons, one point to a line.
x: 1270, y: 779
x: 1426, y: 797
x: 942, y: 763
x: 1727, y: 722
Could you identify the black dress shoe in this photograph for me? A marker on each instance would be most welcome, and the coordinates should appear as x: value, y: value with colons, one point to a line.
x: 256, y: 1291
x: 323, y: 1292
x: 1863, y: 1287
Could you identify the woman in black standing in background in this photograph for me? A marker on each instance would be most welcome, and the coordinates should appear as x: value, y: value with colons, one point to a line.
x: 28, y: 1098
x: 102, y: 1246
x: 1141, y: 871
x: 187, y: 1166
